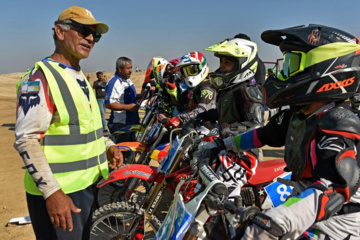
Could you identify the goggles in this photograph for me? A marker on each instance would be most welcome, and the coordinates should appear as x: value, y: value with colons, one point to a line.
x: 85, y: 30
x: 294, y: 62
x: 190, y: 70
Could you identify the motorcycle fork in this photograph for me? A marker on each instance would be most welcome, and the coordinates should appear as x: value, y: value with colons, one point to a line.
x: 153, y: 201
x: 196, y: 229
x: 131, y: 184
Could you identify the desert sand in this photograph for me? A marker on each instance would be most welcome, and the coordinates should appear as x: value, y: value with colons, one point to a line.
x: 12, y: 191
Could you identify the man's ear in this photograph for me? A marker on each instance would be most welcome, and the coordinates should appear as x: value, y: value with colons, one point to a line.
x: 59, y: 32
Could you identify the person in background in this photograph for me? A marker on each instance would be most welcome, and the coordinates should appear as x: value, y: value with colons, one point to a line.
x: 59, y: 134
x: 270, y: 72
x: 99, y: 87
x: 121, y: 99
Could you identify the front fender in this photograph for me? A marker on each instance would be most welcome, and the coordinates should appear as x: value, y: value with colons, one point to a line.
x: 141, y: 171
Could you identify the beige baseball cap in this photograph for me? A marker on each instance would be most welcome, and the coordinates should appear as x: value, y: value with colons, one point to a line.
x: 83, y: 16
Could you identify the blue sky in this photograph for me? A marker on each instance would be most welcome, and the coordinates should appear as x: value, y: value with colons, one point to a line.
x: 143, y: 29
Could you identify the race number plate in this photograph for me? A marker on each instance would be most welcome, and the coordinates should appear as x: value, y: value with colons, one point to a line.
x: 183, y: 219
x: 278, y: 192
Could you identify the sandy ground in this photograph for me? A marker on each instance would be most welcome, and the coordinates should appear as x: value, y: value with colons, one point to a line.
x: 12, y: 192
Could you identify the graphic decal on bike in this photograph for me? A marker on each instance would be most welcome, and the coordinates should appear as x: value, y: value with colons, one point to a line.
x: 131, y: 172
x: 183, y: 219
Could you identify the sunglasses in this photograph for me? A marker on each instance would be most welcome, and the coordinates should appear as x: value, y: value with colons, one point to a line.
x: 85, y: 31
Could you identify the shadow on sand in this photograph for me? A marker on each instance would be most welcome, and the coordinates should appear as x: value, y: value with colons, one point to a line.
x: 275, y: 153
x: 11, y: 126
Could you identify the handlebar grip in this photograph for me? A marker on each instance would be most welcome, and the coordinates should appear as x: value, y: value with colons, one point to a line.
x: 208, y: 176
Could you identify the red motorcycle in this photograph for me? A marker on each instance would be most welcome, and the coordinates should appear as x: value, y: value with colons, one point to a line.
x: 136, y: 220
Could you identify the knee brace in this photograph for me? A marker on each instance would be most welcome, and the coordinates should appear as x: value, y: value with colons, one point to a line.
x: 330, y: 203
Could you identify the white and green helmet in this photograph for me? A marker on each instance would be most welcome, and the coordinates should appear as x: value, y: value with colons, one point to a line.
x: 244, y: 52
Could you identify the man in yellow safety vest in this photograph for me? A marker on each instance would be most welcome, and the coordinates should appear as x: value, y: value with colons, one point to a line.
x: 59, y: 132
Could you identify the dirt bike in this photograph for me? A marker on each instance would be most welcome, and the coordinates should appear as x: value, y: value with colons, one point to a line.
x: 137, y: 221
x: 130, y: 220
x: 150, y: 146
x: 190, y: 220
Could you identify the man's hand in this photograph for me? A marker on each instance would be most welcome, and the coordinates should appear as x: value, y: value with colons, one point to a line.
x: 114, y: 157
x: 133, y: 107
x: 59, y: 207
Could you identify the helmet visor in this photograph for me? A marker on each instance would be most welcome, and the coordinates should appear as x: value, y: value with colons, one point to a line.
x: 190, y: 70
x: 294, y: 62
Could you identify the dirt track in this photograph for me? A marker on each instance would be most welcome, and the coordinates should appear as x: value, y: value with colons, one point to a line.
x: 12, y: 192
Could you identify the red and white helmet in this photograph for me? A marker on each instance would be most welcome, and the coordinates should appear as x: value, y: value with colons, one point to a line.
x: 194, y: 68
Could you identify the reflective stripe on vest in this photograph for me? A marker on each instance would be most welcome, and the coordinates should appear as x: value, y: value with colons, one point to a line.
x: 74, y: 145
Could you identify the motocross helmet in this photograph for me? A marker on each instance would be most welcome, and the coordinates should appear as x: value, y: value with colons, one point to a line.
x: 243, y: 52
x: 194, y: 68
x: 174, y: 62
x: 149, y: 74
x: 161, y: 70
x: 320, y: 64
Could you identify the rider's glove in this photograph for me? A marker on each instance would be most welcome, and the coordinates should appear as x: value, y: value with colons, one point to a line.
x: 219, y: 146
x: 171, y: 86
x: 170, y: 83
x: 200, y: 157
x: 215, y: 146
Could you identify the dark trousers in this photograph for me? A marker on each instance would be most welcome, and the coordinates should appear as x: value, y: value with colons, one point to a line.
x: 125, y: 137
x: 43, y: 227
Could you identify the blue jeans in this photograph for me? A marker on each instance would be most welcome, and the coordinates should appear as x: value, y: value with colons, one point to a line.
x: 101, y: 103
x: 45, y: 230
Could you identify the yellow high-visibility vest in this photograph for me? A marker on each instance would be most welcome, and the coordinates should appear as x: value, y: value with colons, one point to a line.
x: 74, y: 147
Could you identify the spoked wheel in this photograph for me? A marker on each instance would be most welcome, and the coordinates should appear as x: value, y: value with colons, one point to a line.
x: 115, y: 192
x: 113, y: 221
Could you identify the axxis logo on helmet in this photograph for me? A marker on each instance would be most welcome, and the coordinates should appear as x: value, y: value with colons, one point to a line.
x: 336, y: 85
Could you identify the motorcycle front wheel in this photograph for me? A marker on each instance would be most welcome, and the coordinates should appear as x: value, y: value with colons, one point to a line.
x: 113, y: 221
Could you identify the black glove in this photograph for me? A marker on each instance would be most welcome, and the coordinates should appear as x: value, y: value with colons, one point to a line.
x: 220, y: 145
